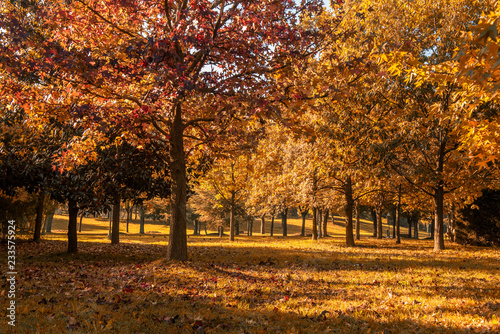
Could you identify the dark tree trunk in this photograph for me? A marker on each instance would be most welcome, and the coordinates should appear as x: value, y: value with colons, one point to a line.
x: 237, y: 225
x: 409, y: 225
x: 196, y: 227
x: 272, y: 225
x: 415, y: 221
x: 397, y: 218
x: 221, y: 231
x: 263, y: 224
x: 349, y: 204
x: 284, y: 221
x: 177, y: 245
x: 358, y: 225
x: 81, y: 221
x: 439, y: 219
x: 325, y: 223
x: 394, y: 222
x: 72, y: 234
x: 374, y: 219
x: 48, y: 222
x: 314, y: 224
x: 451, y: 222
x: 141, y: 221
x: 379, y: 223
x: 206, y: 232
x: 232, y: 228
x: 303, y: 231
x: 39, y: 216
x: 115, y: 230
x: 320, y: 227
x: 128, y: 210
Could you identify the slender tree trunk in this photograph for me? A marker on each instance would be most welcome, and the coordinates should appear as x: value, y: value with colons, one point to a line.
x: 379, y: 223
x: 409, y: 225
x: 206, y: 232
x: 349, y: 204
x: 237, y: 224
x: 358, y: 224
x: 196, y: 227
x: 320, y: 226
x: 115, y: 231
x: 439, y: 219
x: 110, y: 218
x: 272, y: 225
x: 284, y: 221
x: 374, y: 219
x: 72, y: 234
x: 415, y: 221
x: 231, y: 219
x: 48, y: 221
x: 325, y: 223
x: 177, y: 245
x: 303, y: 231
x: 39, y: 216
x: 314, y: 224
x: 394, y: 223
x: 397, y: 218
x: 451, y: 218
x: 129, y: 213
x: 141, y: 221
x: 81, y: 221
x: 135, y: 212
x: 263, y: 224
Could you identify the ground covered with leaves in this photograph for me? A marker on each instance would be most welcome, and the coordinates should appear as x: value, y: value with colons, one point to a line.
x: 257, y: 285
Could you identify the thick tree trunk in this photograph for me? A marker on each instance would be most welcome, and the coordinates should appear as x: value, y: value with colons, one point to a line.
x: 320, y: 226
x: 72, y: 234
x: 221, y: 231
x: 374, y: 219
x: 115, y: 230
x: 397, y: 218
x: 141, y: 219
x: 48, y: 222
x: 177, y: 245
x: 314, y: 224
x: 358, y: 224
x: 196, y: 227
x: 379, y: 223
x: 439, y: 219
x: 263, y: 224
x: 303, y: 231
x: 349, y: 204
x: 325, y: 223
x: 39, y: 216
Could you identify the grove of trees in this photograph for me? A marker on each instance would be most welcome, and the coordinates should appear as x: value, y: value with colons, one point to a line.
x: 249, y: 109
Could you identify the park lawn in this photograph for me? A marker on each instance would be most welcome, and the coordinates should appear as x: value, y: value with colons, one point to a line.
x: 257, y: 284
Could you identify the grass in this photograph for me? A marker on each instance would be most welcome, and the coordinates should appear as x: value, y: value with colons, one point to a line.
x: 258, y: 284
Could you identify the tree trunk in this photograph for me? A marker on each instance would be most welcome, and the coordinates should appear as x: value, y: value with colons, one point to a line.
x: 115, y: 230
x: 394, y: 222
x: 272, y: 225
x: 263, y: 224
x: 110, y: 217
x: 358, y: 225
x: 284, y: 221
x: 303, y: 231
x: 177, y: 245
x: 374, y: 219
x: 396, y: 217
x: 39, y: 216
x: 196, y: 227
x: 320, y: 226
x: 314, y: 224
x: 48, y: 222
x: 72, y: 234
x: 325, y: 223
x: 231, y: 219
x: 451, y: 221
x: 237, y: 226
x: 379, y: 223
x: 439, y: 219
x: 141, y: 221
x: 409, y: 225
x: 206, y: 232
x: 129, y: 213
x: 415, y: 221
x: 349, y: 204
x: 81, y: 221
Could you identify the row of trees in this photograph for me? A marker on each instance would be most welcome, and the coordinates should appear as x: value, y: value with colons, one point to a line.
x: 367, y: 102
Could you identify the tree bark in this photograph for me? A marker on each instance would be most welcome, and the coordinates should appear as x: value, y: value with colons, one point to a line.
x: 196, y: 227
x: 284, y: 221
x: 451, y: 221
x: 349, y: 204
x: 177, y: 245
x: 409, y: 225
x: 439, y: 218
x: 415, y: 221
x: 314, y: 224
x: 358, y: 224
x: 263, y: 224
x: 325, y: 223
x: 272, y: 225
x: 115, y: 230
x: 304, y: 214
x: 396, y: 217
x: 379, y: 223
x: 320, y: 226
x: 231, y: 219
x: 141, y: 219
x: 39, y: 216
x: 374, y: 219
x: 48, y: 222
x: 72, y: 234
